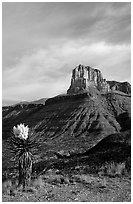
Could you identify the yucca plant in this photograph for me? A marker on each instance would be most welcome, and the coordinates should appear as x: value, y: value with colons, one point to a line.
x: 22, y: 143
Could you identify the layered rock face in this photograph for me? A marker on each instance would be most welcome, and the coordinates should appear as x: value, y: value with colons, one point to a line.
x: 84, y: 77
x: 120, y: 86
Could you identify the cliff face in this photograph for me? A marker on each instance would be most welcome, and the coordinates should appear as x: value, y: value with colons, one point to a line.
x: 84, y: 77
x: 120, y: 86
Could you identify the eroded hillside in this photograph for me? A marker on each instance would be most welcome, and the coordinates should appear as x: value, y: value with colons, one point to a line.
x: 72, y: 123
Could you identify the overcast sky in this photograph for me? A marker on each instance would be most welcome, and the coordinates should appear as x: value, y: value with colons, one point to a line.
x: 43, y: 42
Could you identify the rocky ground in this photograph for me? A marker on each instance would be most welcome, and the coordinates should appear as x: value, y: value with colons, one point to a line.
x: 56, y: 187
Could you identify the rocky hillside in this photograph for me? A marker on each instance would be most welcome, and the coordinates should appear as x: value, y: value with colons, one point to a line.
x: 71, y: 123
x: 6, y: 103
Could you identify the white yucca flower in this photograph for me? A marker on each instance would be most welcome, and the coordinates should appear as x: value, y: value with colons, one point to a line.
x: 21, y: 131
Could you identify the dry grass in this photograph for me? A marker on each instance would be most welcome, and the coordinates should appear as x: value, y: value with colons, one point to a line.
x: 113, y: 169
x: 85, y: 187
x: 38, y: 182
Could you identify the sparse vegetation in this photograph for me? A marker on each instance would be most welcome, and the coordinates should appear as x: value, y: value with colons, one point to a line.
x: 113, y: 169
x: 79, y: 187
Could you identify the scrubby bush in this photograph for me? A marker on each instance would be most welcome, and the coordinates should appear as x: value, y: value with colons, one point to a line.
x: 113, y: 169
x: 38, y: 182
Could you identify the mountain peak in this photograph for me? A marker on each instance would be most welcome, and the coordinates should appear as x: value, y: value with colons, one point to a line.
x: 84, y: 77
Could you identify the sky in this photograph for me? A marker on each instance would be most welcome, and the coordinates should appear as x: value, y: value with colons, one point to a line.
x: 43, y: 42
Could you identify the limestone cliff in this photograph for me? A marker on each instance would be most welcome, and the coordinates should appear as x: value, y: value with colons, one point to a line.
x: 85, y: 76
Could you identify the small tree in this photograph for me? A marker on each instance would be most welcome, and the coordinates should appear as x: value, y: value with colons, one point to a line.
x: 21, y: 144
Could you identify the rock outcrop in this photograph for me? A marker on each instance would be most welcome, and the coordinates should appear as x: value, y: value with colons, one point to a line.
x: 120, y: 86
x: 84, y: 77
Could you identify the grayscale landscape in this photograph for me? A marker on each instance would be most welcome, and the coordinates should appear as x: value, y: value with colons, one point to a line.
x: 68, y: 80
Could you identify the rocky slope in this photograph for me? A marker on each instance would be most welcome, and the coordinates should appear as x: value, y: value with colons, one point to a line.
x: 71, y: 123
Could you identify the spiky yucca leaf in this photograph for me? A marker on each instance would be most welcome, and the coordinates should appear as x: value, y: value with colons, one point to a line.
x: 18, y: 146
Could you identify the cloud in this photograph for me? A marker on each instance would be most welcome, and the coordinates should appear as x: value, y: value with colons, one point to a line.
x: 43, y: 42
x: 39, y: 25
x: 45, y: 73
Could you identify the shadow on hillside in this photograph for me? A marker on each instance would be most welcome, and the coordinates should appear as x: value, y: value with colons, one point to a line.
x: 114, y: 148
x: 124, y: 119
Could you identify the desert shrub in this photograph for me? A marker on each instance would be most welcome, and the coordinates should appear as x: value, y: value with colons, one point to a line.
x: 6, y: 185
x: 113, y: 169
x: 38, y: 182
x: 55, y: 179
x: 82, y: 178
x: 128, y: 164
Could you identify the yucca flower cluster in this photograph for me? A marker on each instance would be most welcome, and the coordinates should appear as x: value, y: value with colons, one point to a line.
x: 22, y: 140
x: 21, y: 131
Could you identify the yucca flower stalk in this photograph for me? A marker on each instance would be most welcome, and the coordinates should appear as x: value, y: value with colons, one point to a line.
x: 21, y: 144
